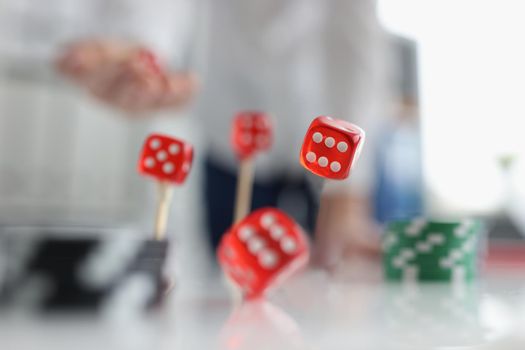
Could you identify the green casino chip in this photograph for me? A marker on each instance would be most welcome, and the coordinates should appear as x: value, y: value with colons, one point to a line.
x: 431, y: 250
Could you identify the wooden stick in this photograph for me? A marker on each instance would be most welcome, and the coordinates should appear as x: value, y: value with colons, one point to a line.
x: 243, y: 198
x: 163, y: 208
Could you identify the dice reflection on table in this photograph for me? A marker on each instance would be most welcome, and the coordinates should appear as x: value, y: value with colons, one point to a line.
x: 260, y: 325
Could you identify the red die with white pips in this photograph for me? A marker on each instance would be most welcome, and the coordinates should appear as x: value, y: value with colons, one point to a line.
x: 262, y: 250
x: 252, y: 133
x: 331, y: 147
x: 166, y: 159
x: 150, y: 60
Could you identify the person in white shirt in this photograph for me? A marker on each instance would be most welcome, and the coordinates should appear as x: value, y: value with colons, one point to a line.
x: 293, y: 59
x: 296, y: 60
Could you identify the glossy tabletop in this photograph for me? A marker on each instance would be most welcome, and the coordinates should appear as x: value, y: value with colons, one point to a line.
x: 349, y: 308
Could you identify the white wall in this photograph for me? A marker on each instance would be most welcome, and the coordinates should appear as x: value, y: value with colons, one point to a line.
x: 472, y: 73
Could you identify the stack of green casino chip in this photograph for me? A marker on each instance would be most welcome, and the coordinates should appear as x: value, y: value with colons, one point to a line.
x: 423, y: 250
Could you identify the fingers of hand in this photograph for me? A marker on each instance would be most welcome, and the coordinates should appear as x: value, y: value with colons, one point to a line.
x: 135, y: 91
x: 80, y: 58
x: 128, y: 77
x: 180, y: 88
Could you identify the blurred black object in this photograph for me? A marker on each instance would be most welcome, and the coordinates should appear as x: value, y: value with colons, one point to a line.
x: 504, y: 228
x: 81, y: 272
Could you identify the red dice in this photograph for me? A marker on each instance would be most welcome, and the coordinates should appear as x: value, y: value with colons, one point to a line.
x: 148, y: 58
x: 165, y: 158
x: 331, y: 147
x: 252, y: 133
x: 262, y: 250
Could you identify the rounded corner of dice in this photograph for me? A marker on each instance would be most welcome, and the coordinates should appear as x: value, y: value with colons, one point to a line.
x: 165, y: 158
x: 330, y: 147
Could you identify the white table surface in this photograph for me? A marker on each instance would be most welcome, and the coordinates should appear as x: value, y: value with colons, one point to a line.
x: 347, y: 309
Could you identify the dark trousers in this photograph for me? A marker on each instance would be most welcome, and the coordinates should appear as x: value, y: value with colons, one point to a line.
x: 294, y: 196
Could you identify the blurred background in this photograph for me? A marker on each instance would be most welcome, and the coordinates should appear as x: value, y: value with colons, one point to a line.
x: 437, y: 86
x: 470, y: 76
x: 449, y: 144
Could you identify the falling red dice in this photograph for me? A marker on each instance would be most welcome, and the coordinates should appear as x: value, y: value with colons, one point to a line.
x: 165, y: 158
x: 262, y: 250
x: 252, y: 133
x: 331, y: 147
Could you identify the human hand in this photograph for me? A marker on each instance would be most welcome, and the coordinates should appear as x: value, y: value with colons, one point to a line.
x: 125, y: 76
x: 345, y: 229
